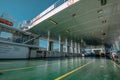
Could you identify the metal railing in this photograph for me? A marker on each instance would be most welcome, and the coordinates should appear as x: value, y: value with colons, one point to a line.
x: 59, y: 2
x: 52, y: 7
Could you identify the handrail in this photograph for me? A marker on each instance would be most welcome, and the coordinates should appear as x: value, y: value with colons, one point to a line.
x: 32, y: 39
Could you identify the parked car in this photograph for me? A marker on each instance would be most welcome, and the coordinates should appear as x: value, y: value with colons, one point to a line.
x: 118, y: 56
x: 115, y: 55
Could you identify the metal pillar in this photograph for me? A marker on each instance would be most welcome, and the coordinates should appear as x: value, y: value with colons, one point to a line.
x: 68, y: 49
x: 117, y: 45
x: 76, y: 47
x: 60, y: 45
x: 72, y: 46
x: 79, y: 48
x: 66, y: 46
x: 50, y: 43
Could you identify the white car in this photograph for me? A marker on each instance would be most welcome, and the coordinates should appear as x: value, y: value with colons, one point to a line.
x: 113, y: 54
x: 117, y: 57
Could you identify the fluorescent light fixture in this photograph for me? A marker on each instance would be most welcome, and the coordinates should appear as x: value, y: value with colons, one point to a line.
x: 100, y: 11
x: 73, y: 15
x: 53, y: 22
x: 68, y: 31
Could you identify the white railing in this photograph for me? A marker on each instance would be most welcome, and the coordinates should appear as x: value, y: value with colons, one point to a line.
x: 55, y: 5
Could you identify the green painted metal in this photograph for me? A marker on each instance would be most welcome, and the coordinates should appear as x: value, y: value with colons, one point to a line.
x: 50, y: 69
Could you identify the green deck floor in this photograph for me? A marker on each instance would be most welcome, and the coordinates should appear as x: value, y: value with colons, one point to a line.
x: 60, y: 69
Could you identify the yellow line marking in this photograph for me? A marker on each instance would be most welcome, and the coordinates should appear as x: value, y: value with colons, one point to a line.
x: 5, y: 63
x: 102, y: 66
x: 116, y: 64
x: 8, y: 62
x: 15, y: 69
x: 14, y: 62
x: 59, y: 78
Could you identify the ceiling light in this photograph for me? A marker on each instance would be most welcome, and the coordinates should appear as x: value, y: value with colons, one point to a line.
x: 68, y: 31
x: 73, y: 15
x: 100, y: 11
x: 53, y: 22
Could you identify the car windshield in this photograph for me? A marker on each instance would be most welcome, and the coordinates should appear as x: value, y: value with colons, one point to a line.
x: 114, y: 52
x: 118, y: 52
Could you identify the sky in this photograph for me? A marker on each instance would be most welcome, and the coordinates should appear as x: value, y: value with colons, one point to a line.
x: 22, y: 10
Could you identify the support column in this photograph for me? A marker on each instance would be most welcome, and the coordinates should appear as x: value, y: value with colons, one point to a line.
x: 79, y: 48
x: 114, y: 46
x: 68, y: 49
x: 75, y: 47
x: 72, y: 46
x: 117, y: 45
x: 66, y: 46
x: 60, y: 45
x: 50, y: 43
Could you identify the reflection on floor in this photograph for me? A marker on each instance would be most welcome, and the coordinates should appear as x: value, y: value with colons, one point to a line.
x: 78, y: 68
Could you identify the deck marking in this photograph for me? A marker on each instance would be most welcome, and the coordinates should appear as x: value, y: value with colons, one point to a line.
x: 14, y: 62
x: 116, y: 64
x: 7, y: 62
x: 59, y: 78
x: 102, y: 66
x: 16, y: 69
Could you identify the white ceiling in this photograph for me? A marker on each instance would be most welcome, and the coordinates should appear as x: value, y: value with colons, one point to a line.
x: 86, y: 20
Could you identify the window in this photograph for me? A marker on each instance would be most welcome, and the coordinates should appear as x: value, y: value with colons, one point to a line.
x: 55, y: 47
x: 70, y: 49
x: 43, y: 44
x: 5, y: 35
x: 64, y: 48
